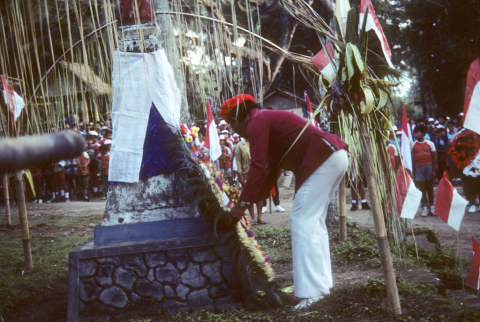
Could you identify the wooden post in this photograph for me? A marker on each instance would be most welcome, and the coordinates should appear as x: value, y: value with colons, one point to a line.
x: 380, y: 230
x: 22, y: 214
x: 6, y: 196
x: 342, y: 209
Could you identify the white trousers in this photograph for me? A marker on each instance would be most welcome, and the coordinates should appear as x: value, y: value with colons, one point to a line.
x: 310, y: 247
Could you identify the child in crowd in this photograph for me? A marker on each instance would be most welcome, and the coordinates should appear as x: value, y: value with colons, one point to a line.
x: 94, y: 164
x: 60, y: 183
x: 82, y: 174
x: 424, y: 159
x: 441, y: 145
x: 104, y: 156
x: 225, y: 160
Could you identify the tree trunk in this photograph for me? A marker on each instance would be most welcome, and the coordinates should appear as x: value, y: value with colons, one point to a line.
x: 22, y: 214
x: 7, y: 199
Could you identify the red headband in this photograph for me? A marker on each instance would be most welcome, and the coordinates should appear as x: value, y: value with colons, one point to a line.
x: 232, y: 103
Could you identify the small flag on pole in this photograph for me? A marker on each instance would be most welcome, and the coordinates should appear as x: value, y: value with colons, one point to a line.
x: 324, y: 63
x: 473, y: 278
x: 407, y: 196
x: 211, y: 136
x: 471, y: 107
x: 449, y: 205
x: 310, y: 111
x: 406, y: 140
x: 373, y: 23
x: 12, y: 99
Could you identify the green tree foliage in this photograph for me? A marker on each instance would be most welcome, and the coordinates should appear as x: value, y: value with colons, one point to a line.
x: 437, y: 41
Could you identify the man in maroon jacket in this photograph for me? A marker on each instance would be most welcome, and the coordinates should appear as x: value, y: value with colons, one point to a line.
x: 280, y: 139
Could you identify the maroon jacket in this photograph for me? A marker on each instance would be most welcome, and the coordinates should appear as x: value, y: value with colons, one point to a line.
x: 274, y: 145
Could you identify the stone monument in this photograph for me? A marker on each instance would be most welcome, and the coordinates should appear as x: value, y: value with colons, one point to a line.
x: 152, y: 250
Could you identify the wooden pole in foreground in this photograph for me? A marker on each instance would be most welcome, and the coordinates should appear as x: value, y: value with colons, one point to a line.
x: 6, y: 196
x: 342, y: 209
x: 380, y: 230
x: 22, y: 214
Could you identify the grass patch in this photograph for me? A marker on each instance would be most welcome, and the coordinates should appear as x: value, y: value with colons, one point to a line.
x: 275, y: 242
x: 50, y: 258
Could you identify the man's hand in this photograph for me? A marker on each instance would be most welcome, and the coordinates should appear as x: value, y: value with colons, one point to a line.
x: 237, y: 211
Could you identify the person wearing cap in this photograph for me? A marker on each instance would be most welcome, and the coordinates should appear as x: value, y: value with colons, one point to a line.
x: 223, y: 126
x: 280, y: 139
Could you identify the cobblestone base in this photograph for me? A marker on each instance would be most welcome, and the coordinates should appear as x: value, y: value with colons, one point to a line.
x: 160, y: 275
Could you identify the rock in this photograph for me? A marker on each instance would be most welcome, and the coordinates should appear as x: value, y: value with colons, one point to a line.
x: 88, y: 290
x: 114, y: 296
x: 199, y: 298
x: 145, y: 288
x: 135, y: 263
x: 179, y: 257
x: 104, y: 275
x: 213, y: 272
x: 167, y: 274
x: 155, y: 259
x: 193, y: 277
x: 219, y: 291
x: 135, y: 298
x: 227, y: 270
x: 169, y: 292
x: 202, y: 255
x: 182, y: 291
x: 124, y: 278
x: 108, y: 260
x: 151, y: 275
x: 87, y: 268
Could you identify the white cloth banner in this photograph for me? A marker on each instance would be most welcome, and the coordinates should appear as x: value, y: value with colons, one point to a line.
x: 138, y: 81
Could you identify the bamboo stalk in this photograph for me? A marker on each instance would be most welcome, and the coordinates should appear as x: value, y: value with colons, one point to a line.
x: 342, y: 209
x: 270, y: 203
x: 380, y: 231
x: 22, y: 214
x: 6, y: 196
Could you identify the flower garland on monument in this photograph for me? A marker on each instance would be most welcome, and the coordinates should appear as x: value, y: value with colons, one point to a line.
x: 227, y: 197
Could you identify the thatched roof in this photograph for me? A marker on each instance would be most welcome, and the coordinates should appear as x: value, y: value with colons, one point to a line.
x: 86, y: 76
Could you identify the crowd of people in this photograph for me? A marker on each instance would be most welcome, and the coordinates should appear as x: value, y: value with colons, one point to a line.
x: 435, y: 149
x: 83, y: 177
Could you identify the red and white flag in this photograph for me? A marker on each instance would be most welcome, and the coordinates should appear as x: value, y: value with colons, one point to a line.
x: 12, y: 99
x: 310, y: 111
x: 211, y: 136
x: 324, y: 63
x: 473, y: 278
x: 373, y: 23
x: 449, y: 205
x: 407, y: 196
x: 407, y: 138
x: 471, y: 107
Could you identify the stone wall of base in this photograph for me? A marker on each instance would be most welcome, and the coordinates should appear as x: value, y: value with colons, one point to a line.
x: 169, y: 274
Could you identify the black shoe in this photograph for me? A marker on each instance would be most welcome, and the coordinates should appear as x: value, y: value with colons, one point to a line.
x: 354, y: 207
x: 366, y: 206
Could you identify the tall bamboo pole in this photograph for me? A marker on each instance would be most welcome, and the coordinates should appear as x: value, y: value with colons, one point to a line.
x: 380, y: 231
x: 342, y: 209
x: 6, y: 196
x: 22, y: 214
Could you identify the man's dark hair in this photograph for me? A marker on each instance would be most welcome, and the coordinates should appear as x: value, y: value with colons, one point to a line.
x: 450, y: 122
x: 441, y: 116
x: 241, y: 111
x: 421, y: 128
x: 420, y: 121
